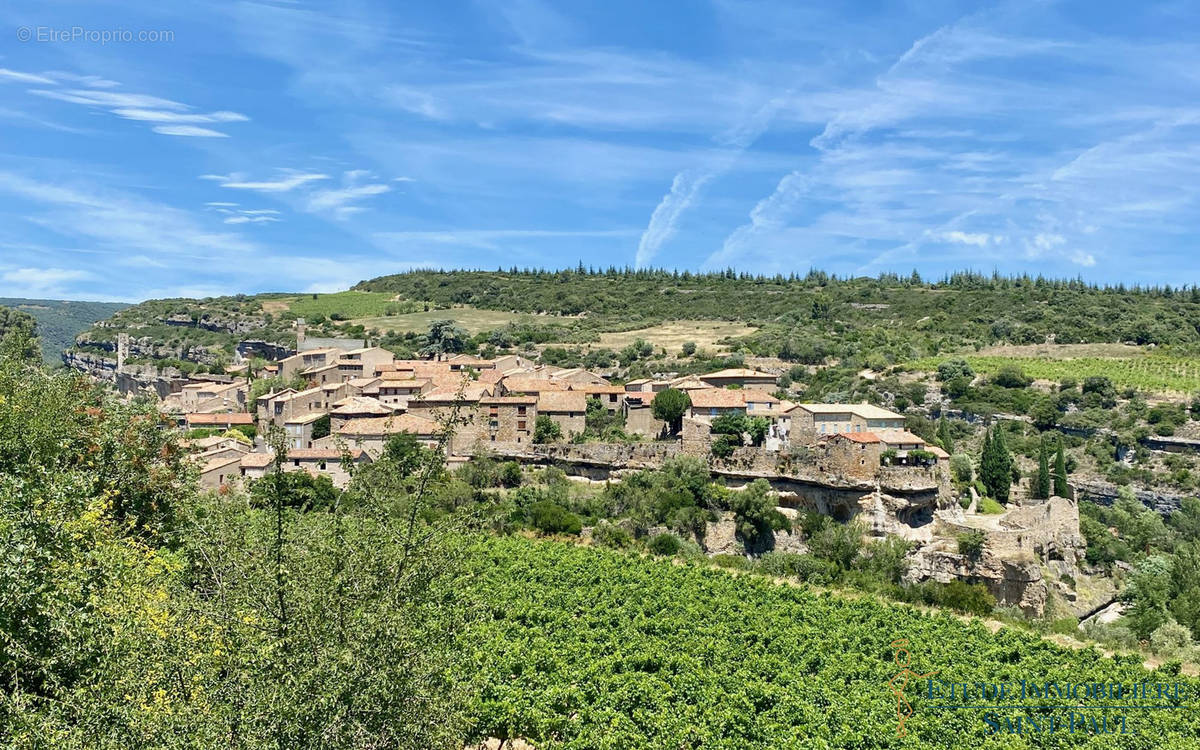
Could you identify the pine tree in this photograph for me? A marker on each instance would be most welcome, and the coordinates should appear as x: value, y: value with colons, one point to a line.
x: 1060, y: 471
x: 1041, y: 487
x: 943, y: 436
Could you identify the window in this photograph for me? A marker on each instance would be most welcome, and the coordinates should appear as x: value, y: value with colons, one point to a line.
x: 521, y: 411
x: 521, y: 424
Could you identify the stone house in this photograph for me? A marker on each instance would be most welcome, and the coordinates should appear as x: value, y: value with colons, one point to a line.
x: 639, y: 415
x: 611, y: 396
x: 299, y: 430
x: 307, y: 360
x: 356, y: 407
x: 529, y: 386
x: 359, y: 363
x: 567, y: 409
x: 220, y: 470
x: 218, y: 421
x: 397, y: 391
x: 256, y: 465
x: 741, y: 377
x: 508, y: 419
x: 710, y: 403
x: 371, y: 435
x: 827, y: 419
x: 327, y: 461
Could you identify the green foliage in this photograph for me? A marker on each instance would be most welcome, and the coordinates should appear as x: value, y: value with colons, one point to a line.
x: 955, y: 368
x: 18, y: 335
x: 971, y: 544
x: 689, y: 348
x: 58, y: 322
x: 996, y: 464
x: 551, y: 518
x: 755, y: 514
x: 510, y: 474
x: 1060, y: 471
x: 664, y: 544
x: 730, y: 423
x: 445, y: 337
x: 670, y: 405
x: 546, y: 430
x: 961, y: 469
x: 321, y: 427
x: 723, y: 446
x: 1011, y: 376
x: 295, y: 489
x: 944, y: 438
x: 606, y: 534
x: 989, y: 507
x: 1041, y: 481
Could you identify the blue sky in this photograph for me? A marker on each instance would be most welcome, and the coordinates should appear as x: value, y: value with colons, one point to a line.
x: 296, y: 146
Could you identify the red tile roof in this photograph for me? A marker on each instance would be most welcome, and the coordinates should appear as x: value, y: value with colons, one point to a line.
x: 219, y: 419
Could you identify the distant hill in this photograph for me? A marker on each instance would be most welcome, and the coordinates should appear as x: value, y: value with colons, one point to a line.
x: 60, y: 321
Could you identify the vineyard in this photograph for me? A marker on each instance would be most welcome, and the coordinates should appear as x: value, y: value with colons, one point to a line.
x: 587, y: 648
x: 1155, y: 374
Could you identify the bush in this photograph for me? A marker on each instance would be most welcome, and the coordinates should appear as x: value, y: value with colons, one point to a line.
x: 610, y: 535
x: 953, y: 369
x: 972, y: 598
x: 1170, y: 638
x: 971, y: 544
x: 549, y: 517
x: 722, y: 446
x: 546, y: 430
x: 734, y: 562
x: 510, y: 474
x: 1011, y: 376
x: 689, y: 348
x: 990, y: 507
x: 961, y: 468
x: 664, y: 544
x: 780, y: 564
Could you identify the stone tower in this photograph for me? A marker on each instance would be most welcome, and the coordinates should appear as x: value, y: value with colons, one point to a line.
x: 299, y: 334
x: 122, y: 351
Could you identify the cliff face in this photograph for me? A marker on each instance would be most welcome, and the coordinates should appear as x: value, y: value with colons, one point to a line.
x: 135, y: 379
x: 1013, y: 583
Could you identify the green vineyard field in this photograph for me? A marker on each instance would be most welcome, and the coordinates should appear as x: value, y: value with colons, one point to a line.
x: 587, y: 648
x: 1155, y: 374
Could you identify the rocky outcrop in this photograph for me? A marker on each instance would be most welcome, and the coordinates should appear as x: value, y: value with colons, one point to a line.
x: 1104, y: 493
x: 1012, y: 583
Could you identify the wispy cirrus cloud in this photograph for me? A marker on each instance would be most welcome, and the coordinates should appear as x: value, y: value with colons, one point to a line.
x: 343, y: 202
x: 287, y: 179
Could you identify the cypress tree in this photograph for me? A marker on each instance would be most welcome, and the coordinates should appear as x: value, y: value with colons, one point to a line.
x: 1041, y: 488
x: 943, y: 436
x: 1060, y: 471
x: 996, y: 465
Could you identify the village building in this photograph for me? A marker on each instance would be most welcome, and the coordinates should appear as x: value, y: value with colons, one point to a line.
x: 220, y: 470
x: 508, y: 419
x: 398, y: 391
x: 827, y: 419
x: 371, y: 435
x: 529, y: 386
x: 299, y: 429
x: 327, y: 461
x: 358, y: 363
x: 710, y: 403
x: 742, y: 378
x: 307, y: 360
x: 639, y: 415
x: 612, y: 397
x: 567, y: 409
x: 256, y: 465
x: 218, y: 421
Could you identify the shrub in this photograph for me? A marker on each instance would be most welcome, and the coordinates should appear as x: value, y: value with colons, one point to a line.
x: 971, y: 544
x: 1011, y: 376
x: 546, y: 430
x: 664, y: 544
x: 961, y: 468
x: 610, y: 535
x: 972, y: 598
x: 510, y: 474
x: 734, y: 562
x: 670, y: 406
x: 1170, y: 637
x: 722, y: 446
x: 990, y: 507
x: 689, y: 348
x: 549, y: 517
x: 953, y: 369
x: 779, y: 563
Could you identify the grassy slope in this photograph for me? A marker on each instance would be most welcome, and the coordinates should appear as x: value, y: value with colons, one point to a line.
x: 1154, y: 373
x: 60, y: 321
x: 590, y: 648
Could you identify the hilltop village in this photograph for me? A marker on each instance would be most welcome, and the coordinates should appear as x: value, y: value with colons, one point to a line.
x: 333, y: 404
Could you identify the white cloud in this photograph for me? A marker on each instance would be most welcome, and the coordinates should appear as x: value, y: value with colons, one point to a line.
x: 289, y: 179
x: 19, y: 77
x: 158, y: 115
x: 977, y: 239
x: 1081, y: 258
x: 663, y: 222
x: 40, y: 282
x: 110, y: 99
x: 188, y: 131
x: 1044, y: 241
x: 340, y: 201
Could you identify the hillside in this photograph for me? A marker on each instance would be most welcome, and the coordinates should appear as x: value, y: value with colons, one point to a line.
x: 812, y: 319
x: 60, y: 321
